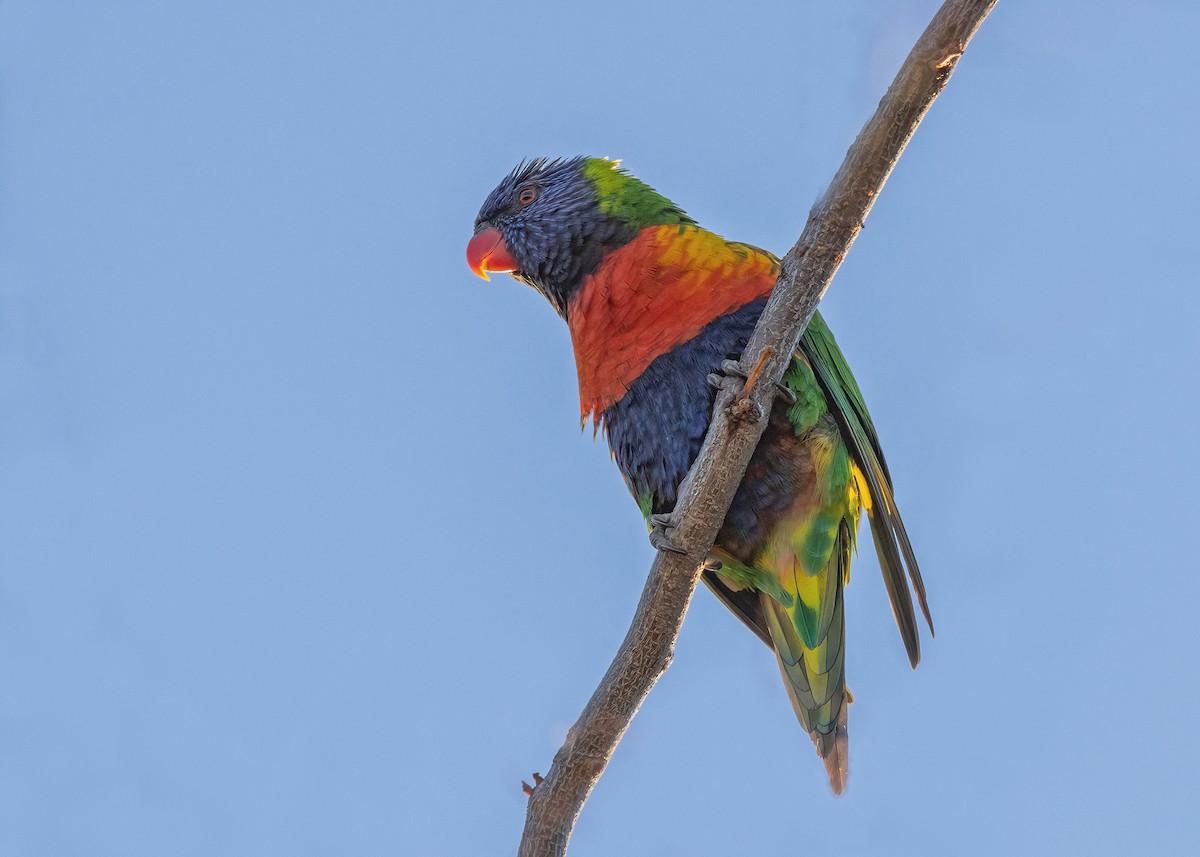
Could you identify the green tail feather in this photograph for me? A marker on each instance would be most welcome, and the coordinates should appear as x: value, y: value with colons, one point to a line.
x: 816, y: 684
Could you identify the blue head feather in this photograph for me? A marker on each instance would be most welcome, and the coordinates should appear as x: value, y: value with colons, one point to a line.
x: 562, y: 235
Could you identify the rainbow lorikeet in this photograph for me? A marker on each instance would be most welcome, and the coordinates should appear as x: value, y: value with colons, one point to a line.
x: 655, y: 304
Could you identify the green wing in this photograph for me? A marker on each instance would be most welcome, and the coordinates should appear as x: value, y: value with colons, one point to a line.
x: 887, y: 529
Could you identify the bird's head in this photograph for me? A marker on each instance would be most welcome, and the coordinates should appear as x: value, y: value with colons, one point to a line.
x: 551, y: 222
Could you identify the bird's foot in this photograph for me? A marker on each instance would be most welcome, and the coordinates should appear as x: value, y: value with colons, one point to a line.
x: 659, y: 524
x: 528, y: 789
x: 733, y: 369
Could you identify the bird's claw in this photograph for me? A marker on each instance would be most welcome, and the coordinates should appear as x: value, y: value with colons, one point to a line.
x: 731, y: 368
x: 660, y: 522
x: 658, y: 538
x: 528, y: 789
x: 734, y: 369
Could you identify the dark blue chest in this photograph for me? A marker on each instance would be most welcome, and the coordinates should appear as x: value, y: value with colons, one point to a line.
x: 656, y: 429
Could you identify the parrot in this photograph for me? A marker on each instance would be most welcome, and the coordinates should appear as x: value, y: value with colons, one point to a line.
x: 658, y: 309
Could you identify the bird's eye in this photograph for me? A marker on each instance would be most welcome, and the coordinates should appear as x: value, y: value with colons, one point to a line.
x: 527, y: 195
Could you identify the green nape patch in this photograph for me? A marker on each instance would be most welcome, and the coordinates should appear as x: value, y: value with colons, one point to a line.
x: 622, y: 195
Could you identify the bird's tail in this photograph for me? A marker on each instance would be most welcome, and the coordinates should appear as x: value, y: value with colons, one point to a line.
x: 809, y: 636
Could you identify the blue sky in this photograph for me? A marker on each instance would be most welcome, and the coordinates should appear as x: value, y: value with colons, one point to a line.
x: 302, y: 552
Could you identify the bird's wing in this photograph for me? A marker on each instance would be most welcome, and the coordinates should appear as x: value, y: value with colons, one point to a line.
x: 892, y: 544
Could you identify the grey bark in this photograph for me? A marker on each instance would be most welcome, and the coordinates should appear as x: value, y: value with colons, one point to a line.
x: 738, y: 423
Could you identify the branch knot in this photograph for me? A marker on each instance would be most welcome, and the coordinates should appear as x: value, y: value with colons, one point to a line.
x: 745, y: 410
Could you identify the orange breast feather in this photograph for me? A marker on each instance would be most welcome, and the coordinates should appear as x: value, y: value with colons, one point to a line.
x: 654, y: 293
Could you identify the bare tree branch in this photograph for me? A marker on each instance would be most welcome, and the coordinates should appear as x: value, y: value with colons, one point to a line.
x: 738, y: 423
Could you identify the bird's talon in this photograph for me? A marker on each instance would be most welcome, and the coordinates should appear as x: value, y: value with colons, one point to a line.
x: 786, y: 392
x: 732, y: 367
x: 711, y: 563
x: 661, y: 519
x: 659, y: 540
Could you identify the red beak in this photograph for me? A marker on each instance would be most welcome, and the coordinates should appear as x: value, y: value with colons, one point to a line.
x: 486, y: 254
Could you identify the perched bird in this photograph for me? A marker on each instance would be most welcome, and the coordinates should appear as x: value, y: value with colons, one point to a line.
x: 655, y: 304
